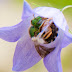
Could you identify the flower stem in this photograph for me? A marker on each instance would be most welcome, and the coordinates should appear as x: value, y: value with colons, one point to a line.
x: 68, y: 6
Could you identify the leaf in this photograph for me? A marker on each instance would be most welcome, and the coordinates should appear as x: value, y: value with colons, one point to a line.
x: 51, y: 3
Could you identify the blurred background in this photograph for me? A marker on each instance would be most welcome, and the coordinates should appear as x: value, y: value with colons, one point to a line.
x: 10, y: 14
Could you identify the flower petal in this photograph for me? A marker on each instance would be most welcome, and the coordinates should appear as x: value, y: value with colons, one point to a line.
x: 52, y: 61
x: 67, y: 39
x: 25, y: 54
x: 54, y: 13
x: 13, y: 33
x: 27, y: 11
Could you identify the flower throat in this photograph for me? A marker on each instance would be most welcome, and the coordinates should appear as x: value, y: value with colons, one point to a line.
x: 43, y: 30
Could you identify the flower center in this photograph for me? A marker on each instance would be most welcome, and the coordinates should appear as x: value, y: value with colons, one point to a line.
x: 43, y: 31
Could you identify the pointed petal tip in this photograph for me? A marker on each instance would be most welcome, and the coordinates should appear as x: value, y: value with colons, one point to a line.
x: 17, y: 68
x: 13, y: 68
x: 27, y: 10
x: 13, y: 33
x: 25, y: 1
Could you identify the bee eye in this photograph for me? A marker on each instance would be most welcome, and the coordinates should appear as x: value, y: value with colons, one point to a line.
x: 36, y: 22
x: 33, y: 31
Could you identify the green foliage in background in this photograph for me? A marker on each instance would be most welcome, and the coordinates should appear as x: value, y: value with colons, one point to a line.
x: 50, y: 3
x: 18, y: 1
x: 68, y: 15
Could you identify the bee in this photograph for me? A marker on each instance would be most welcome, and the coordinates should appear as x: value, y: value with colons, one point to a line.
x: 43, y: 30
x: 36, y: 22
x: 40, y: 23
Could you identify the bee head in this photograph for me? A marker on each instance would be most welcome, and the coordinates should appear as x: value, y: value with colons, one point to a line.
x: 36, y: 22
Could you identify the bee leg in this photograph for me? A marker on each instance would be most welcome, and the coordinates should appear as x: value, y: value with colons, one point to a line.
x: 50, y: 30
x: 45, y: 23
x: 40, y: 28
x: 44, y: 18
x: 48, y: 35
x: 42, y: 25
x: 50, y: 19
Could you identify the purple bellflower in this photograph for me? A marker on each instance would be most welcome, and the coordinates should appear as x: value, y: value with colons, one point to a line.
x: 47, y: 44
